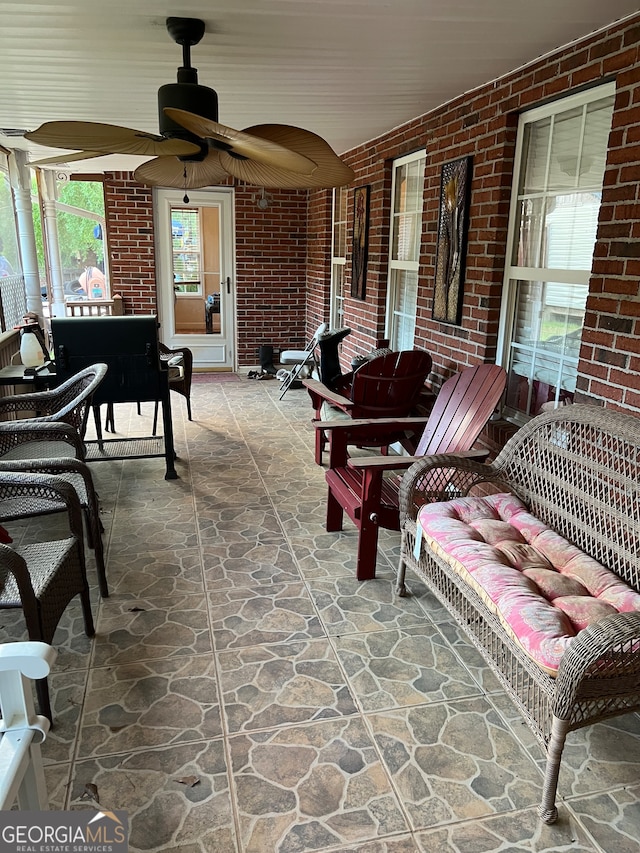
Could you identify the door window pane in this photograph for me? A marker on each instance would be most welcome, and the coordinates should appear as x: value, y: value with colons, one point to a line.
x: 186, y: 246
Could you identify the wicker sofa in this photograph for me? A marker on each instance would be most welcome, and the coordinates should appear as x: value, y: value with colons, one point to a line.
x: 537, y: 556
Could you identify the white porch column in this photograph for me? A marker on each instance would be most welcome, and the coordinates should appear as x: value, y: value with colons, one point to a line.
x: 47, y: 185
x: 20, y: 176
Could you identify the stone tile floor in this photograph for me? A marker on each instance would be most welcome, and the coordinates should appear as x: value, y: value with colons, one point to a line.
x: 244, y: 694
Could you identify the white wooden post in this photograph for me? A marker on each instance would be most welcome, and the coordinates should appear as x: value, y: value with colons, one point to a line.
x: 21, y: 729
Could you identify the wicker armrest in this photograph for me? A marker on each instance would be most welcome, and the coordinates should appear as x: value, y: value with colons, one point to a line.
x: 443, y: 476
x: 43, y: 401
x: 73, y: 471
x: 603, y: 660
x: 38, y: 488
x: 62, y: 465
x: 11, y: 563
x: 16, y: 433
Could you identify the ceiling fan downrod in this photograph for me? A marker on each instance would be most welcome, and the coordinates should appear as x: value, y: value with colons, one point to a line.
x: 186, y: 94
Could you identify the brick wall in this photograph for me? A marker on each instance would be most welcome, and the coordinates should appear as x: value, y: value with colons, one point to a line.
x: 130, y: 242
x: 271, y: 258
x: 271, y: 249
x: 283, y: 253
x: 318, y: 260
x: 483, y: 124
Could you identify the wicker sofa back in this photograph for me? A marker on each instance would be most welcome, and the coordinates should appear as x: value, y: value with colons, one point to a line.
x: 577, y: 470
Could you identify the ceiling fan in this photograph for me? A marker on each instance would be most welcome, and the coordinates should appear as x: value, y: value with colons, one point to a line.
x: 193, y: 149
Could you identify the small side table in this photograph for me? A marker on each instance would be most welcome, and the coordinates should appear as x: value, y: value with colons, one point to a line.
x: 14, y: 374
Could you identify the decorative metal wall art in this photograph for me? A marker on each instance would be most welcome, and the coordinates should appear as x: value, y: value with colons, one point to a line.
x: 451, y: 248
x: 360, y: 243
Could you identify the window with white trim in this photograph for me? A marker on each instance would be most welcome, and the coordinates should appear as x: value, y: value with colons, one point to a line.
x: 338, y: 257
x: 404, y: 258
x: 186, y: 239
x: 559, y: 170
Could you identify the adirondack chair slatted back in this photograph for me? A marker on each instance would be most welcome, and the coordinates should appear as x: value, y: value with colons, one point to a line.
x: 356, y: 486
x: 389, y: 386
x: 463, y: 406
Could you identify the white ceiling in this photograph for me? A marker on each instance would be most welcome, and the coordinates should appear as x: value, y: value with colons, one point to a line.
x: 348, y: 70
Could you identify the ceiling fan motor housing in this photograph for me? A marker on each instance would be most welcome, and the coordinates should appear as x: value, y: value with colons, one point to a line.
x: 191, y: 97
x: 186, y: 94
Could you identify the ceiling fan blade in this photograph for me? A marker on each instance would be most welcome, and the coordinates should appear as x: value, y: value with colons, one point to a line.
x: 185, y: 175
x: 242, y: 144
x: 107, y: 139
x: 330, y: 171
x: 66, y: 158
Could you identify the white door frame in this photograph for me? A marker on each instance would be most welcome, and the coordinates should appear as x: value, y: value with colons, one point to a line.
x: 213, y: 351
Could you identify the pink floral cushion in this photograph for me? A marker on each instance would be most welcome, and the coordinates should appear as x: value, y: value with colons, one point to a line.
x: 543, y: 588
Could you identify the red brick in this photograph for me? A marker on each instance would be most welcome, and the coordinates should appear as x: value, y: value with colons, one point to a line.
x: 291, y: 264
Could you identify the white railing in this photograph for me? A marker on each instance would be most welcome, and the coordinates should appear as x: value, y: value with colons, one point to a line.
x: 21, y: 729
x: 93, y: 308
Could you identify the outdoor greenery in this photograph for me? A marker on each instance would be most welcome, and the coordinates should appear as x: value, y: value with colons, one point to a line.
x: 79, y: 247
x: 8, y: 236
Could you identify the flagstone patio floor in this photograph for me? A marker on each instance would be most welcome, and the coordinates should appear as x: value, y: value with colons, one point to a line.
x: 245, y: 694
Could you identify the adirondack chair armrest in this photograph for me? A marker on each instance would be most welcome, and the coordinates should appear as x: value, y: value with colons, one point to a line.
x: 400, y: 463
x: 377, y: 432
x: 382, y: 463
x: 371, y: 425
x: 319, y: 393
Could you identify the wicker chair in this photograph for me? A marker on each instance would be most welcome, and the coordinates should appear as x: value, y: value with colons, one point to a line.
x: 387, y: 386
x: 180, y: 373
x: 44, y: 577
x: 68, y: 403
x: 53, y: 444
x: 77, y: 473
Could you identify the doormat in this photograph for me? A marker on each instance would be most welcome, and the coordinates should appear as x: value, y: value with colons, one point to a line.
x: 206, y: 378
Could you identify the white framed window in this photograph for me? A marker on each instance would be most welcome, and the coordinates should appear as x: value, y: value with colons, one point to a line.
x: 338, y: 257
x: 404, y: 258
x: 560, y: 160
x: 186, y: 239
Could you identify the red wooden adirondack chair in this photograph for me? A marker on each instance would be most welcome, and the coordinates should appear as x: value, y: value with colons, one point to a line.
x: 385, y: 387
x: 357, y: 486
